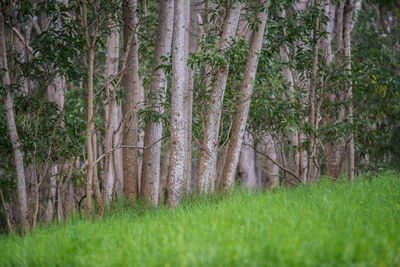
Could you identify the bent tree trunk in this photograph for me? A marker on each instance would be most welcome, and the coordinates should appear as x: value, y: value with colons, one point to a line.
x: 12, y: 129
x: 178, y: 149
x: 153, y: 131
x: 210, y: 142
x: 246, y: 90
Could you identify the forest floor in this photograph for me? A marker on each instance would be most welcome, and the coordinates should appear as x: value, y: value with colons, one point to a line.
x: 325, y: 224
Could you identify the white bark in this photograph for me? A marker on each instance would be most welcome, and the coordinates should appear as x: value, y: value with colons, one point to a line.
x: 112, y: 114
x: 178, y: 149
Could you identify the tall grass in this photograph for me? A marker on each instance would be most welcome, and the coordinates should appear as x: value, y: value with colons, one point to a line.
x: 327, y: 224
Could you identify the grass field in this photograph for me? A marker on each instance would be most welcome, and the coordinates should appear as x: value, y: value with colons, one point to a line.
x: 331, y: 224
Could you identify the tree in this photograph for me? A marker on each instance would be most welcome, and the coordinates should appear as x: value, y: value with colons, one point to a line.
x: 347, y: 26
x: 246, y: 90
x: 153, y: 131
x: 178, y: 149
x: 12, y: 129
x: 130, y: 107
x: 211, y: 133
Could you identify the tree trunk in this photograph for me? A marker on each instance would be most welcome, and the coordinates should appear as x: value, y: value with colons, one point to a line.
x: 311, y: 114
x: 111, y: 115
x: 130, y: 108
x: 12, y: 129
x: 190, y: 46
x: 178, y: 142
x: 332, y: 152
x: 209, y: 148
x: 90, y: 45
x: 347, y: 25
x: 246, y: 90
x: 96, y: 183
x: 153, y: 131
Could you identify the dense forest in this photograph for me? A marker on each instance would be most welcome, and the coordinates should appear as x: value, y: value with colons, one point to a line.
x: 156, y: 102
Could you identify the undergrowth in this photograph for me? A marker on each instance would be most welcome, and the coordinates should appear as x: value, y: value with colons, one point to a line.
x: 332, y: 224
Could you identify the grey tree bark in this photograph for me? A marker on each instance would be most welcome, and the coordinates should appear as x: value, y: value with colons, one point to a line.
x: 150, y: 179
x: 12, y: 129
x: 246, y: 90
x: 178, y: 141
x: 209, y: 148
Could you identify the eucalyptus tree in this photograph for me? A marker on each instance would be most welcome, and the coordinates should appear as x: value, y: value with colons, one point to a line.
x: 112, y: 173
x: 347, y: 27
x: 178, y: 128
x: 132, y: 87
x: 11, y: 125
x: 150, y: 177
x: 209, y: 147
x: 246, y: 90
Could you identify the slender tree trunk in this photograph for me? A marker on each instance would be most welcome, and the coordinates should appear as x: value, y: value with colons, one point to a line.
x: 178, y: 142
x: 130, y: 108
x: 209, y: 148
x: 311, y: 114
x: 111, y: 115
x: 90, y: 43
x: 96, y: 183
x: 89, y: 135
x: 153, y: 131
x: 190, y: 46
x: 12, y: 129
x: 246, y: 90
x: 332, y: 151
x: 347, y: 25
x: 339, y: 145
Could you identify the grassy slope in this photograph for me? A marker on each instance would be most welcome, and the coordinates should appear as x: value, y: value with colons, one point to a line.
x: 328, y: 224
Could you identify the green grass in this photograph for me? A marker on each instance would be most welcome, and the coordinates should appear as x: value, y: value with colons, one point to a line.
x: 329, y: 224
